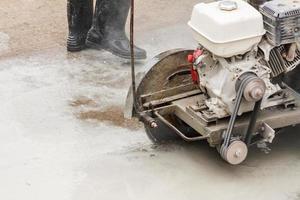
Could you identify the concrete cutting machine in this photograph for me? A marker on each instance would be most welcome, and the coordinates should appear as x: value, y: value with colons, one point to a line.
x: 229, y: 90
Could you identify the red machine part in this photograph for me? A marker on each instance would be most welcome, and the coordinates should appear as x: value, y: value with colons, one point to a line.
x: 191, y: 58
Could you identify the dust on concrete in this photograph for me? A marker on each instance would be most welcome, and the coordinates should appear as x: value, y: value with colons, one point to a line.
x: 83, y: 101
x: 4, y: 40
x: 112, y: 114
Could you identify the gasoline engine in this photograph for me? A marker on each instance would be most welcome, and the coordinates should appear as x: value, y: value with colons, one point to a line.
x: 229, y: 91
x: 244, y: 44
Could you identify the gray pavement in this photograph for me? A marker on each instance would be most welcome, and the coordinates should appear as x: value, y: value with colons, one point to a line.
x: 63, y: 136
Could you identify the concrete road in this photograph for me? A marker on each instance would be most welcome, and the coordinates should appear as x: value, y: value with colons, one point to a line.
x: 63, y: 136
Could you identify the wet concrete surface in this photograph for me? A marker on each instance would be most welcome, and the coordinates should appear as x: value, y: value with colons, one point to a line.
x: 63, y: 135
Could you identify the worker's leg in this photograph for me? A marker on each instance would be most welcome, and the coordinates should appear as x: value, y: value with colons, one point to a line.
x: 80, y: 13
x: 108, y: 29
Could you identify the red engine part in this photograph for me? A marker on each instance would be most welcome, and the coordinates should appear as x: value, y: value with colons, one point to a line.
x: 191, y: 58
x: 195, y: 76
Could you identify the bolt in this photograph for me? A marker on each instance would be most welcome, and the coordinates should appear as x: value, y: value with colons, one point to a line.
x: 257, y: 93
x: 237, y: 153
x: 153, y: 125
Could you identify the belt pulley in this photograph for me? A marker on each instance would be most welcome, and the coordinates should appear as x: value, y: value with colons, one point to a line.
x: 251, y: 88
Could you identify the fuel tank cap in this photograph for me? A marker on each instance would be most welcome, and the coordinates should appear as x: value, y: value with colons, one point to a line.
x: 228, y: 5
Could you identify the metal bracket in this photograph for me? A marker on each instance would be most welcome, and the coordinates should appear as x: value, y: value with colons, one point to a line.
x: 178, y: 132
x: 268, y: 133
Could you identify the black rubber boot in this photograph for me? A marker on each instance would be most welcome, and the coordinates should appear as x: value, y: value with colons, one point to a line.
x: 108, y: 29
x: 80, y: 15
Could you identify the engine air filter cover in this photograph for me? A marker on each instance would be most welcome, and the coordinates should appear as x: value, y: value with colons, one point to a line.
x: 228, y: 27
x: 281, y: 21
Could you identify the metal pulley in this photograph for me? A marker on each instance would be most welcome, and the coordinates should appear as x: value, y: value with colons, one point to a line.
x: 254, y: 89
x: 236, y: 152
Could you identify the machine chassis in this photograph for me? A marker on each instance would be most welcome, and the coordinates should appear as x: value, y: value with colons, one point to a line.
x: 165, y: 91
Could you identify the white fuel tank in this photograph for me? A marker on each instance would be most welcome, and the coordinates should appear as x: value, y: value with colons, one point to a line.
x: 228, y: 27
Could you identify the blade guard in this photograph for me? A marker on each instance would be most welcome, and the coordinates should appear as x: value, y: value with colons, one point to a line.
x: 156, y: 72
